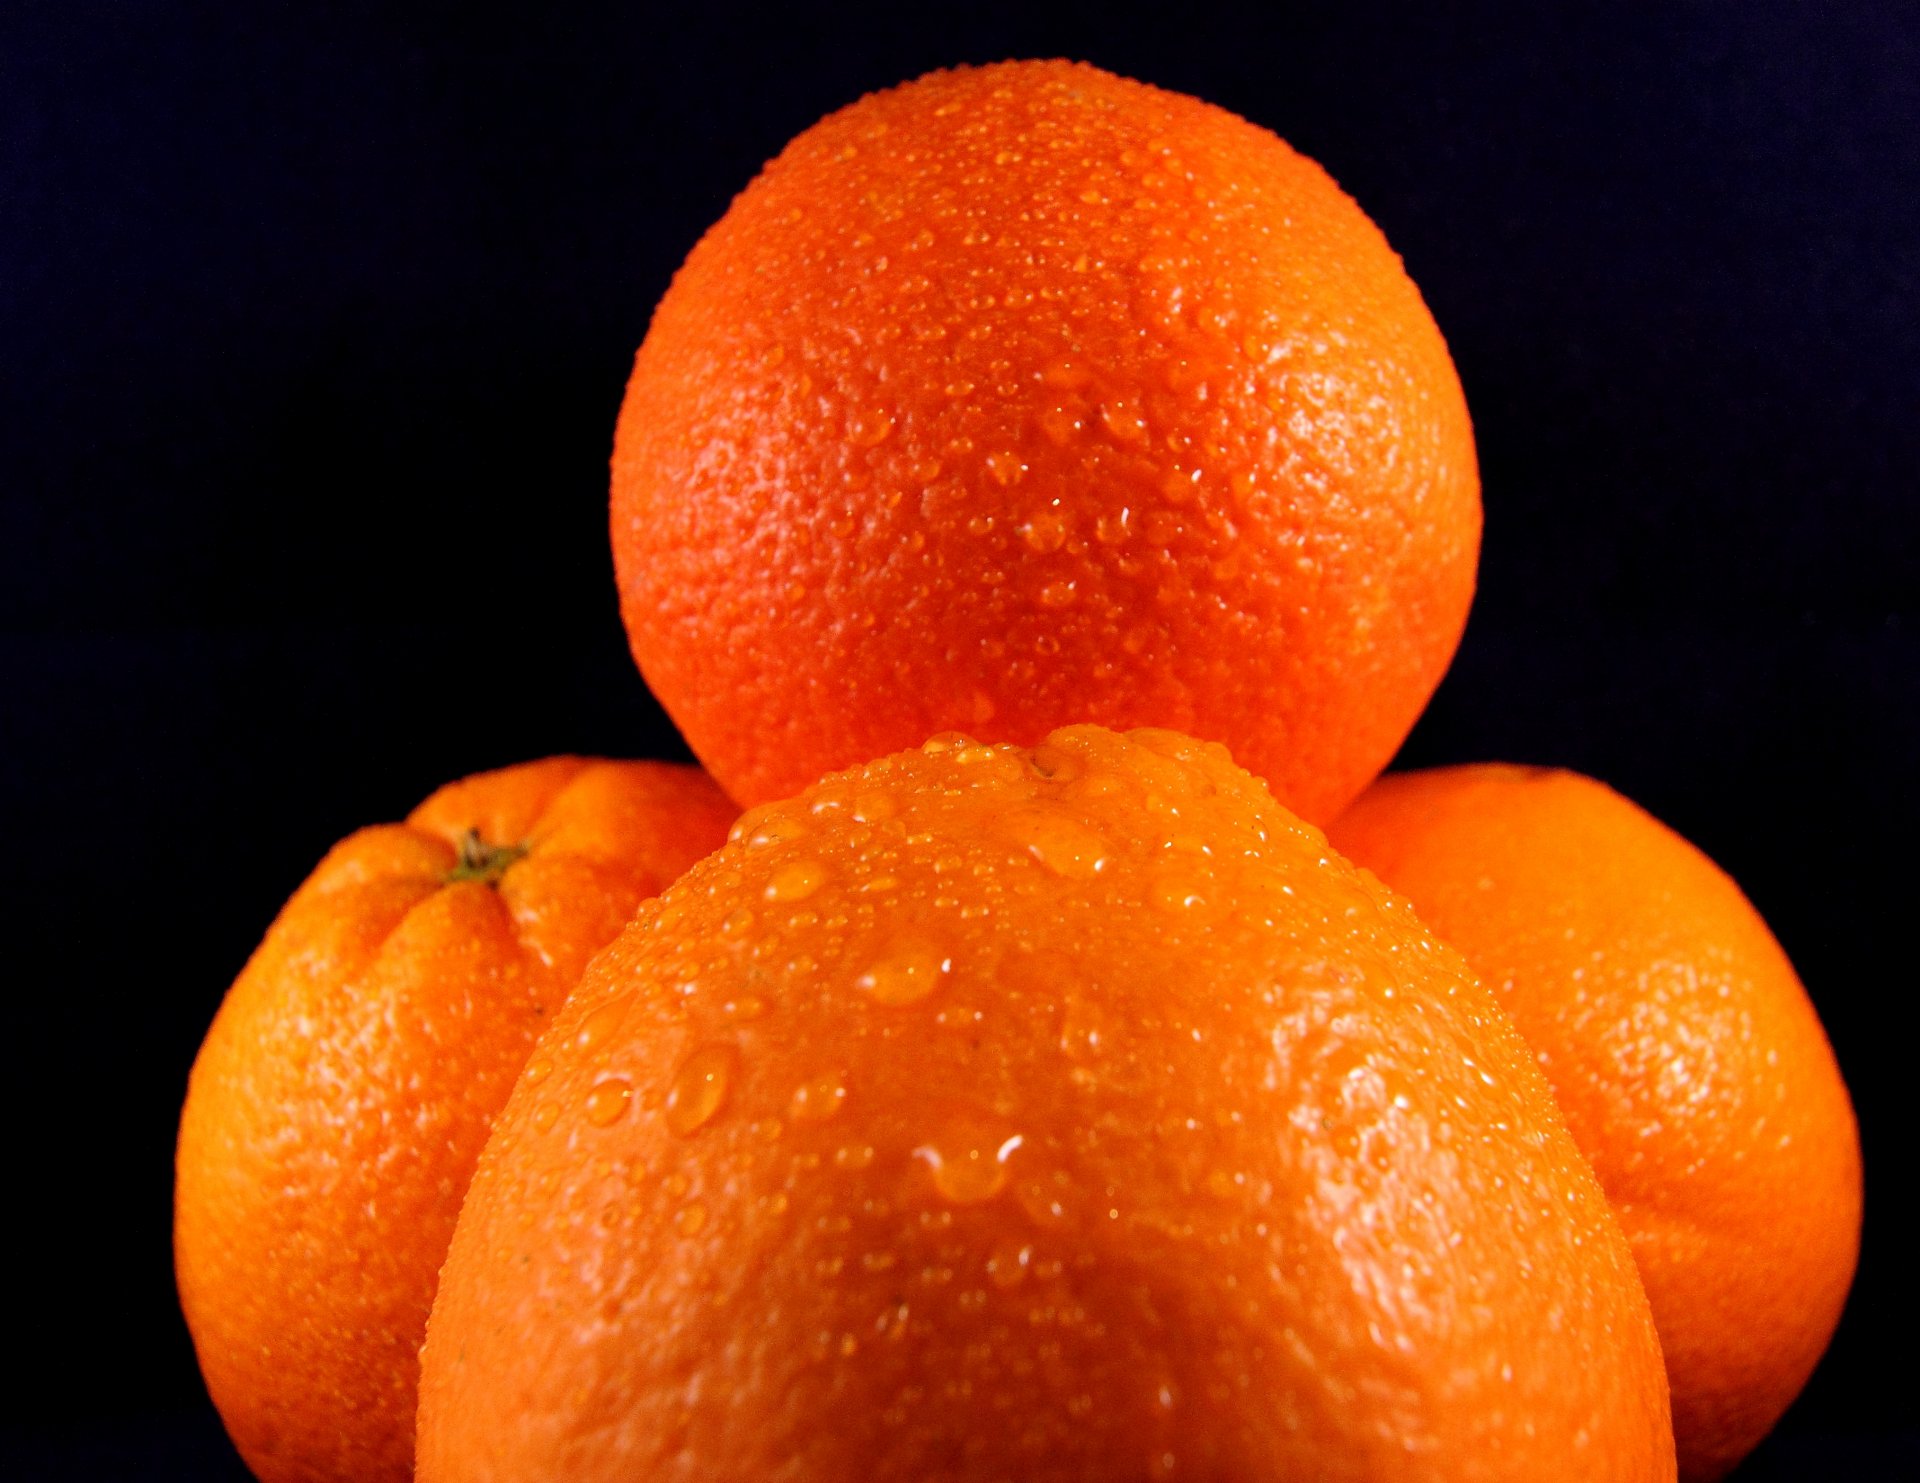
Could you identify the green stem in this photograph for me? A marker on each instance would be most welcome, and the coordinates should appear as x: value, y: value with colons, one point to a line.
x: 480, y: 861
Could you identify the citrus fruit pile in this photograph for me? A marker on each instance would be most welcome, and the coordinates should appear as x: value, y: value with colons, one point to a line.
x: 1045, y: 502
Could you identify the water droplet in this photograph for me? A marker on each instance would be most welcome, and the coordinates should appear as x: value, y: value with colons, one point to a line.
x: 699, y: 1088
x: 1184, y: 376
x: 945, y: 741
x: 795, y: 881
x: 602, y: 1024
x: 1178, y: 485
x: 1066, y: 372
x: 854, y: 1156
x: 1124, y: 420
x: 538, y: 1071
x: 545, y: 1116
x: 967, y: 1165
x: 1113, y: 527
x: 1058, y: 595
x: 692, y: 1220
x: 770, y: 823
x: 736, y: 921
x: 607, y: 1103
x: 1178, y: 891
x: 1084, y: 1027
x: 819, y: 1099
x: 873, y: 807
x: 1044, y: 530
x: 1008, y: 1263
x: 746, y: 1007
x: 1055, y: 764
x: 1063, y: 845
x: 1061, y: 424
x: 870, y: 429
x: 906, y: 975
x: 1006, y: 468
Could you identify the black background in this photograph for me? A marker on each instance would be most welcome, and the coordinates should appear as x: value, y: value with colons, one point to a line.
x: 313, y: 326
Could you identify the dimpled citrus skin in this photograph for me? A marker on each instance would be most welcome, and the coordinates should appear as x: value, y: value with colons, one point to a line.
x: 1065, y: 1115
x: 1689, y: 1062
x: 1027, y: 395
x: 341, y: 1098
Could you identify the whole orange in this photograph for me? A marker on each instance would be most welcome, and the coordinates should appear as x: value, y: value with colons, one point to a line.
x: 1692, y: 1068
x: 341, y: 1098
x: 1026, y: 395
x: 1064, y: 1115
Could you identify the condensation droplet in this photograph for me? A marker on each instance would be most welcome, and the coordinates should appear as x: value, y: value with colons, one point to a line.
x: 1179, y: 892
x: 906, y: 975
x: 1044, y: 530
x: 873, y: 807
x: 1007, y: 1264
x: 1067, y: 373
x: 1061, y: 844
x: 1123, y: 420
x: 1055, y: 764
x: 699, y: 1088
x: 819, y: 1099
x: 600, y: 1026
x: 870, y: 429
x: 692, y: 1220
x: 606, y: 1104
x: 538, y: 1071
x: 545, y: 1116
x: 795, y: 881
x: 768, y: 824
x: 968, y: 1167
x: 1006, y: 468
x: 1061, y: 425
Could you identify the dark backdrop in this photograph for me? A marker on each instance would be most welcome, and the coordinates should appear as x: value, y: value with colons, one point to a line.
x: 313, y: 325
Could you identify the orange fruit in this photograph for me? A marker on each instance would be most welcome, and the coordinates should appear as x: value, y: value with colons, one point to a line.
x: 1026, y: 395
x: 337, y: 1107
x: 1064, y: 1115
x: 1692, y: 1068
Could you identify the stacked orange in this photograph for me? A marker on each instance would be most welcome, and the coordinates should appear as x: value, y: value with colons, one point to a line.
x: 1059, y: 1106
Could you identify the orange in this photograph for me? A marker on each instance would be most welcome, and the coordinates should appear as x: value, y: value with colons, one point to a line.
x: 1683, y: 1050
x: 1027, y: 395
x: 341, y: 1098
x: 1064, y: 1115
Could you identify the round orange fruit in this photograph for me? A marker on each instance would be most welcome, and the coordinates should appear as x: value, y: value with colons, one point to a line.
x: 1072, y: 1114
x: 337, y: 1107
x: 1688, y: 1060
x: 1025, y: 395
